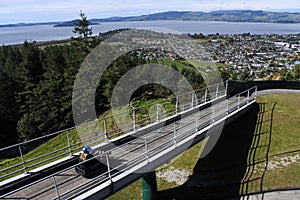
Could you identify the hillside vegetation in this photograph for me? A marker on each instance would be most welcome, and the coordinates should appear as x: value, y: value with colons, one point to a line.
x: 37, y: 85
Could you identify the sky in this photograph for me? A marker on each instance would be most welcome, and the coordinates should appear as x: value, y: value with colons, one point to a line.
x: 27, y: 11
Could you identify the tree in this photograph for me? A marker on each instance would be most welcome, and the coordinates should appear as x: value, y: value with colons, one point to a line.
x: 49, y: 109
x: 8, y: 108
x: 29, y: 74
x: 225, y: 74
x: 82, y: 26
x: 297, y: 72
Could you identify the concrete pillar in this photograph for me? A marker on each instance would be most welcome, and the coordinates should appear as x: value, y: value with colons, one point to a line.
x: 149, y: 186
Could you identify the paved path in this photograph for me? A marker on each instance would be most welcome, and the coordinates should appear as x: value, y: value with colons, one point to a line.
x: 275, y: 195
x: 277, y: 91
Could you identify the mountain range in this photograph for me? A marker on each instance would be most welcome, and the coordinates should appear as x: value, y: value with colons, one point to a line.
x: 221, y: 15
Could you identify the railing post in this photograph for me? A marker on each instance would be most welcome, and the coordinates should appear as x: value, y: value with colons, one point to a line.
x: 134, y: 120
x: 176, y: 105
x: 23, y: 160
x: 226, y: 88
x: 239, y: 96
x: 196, y: 124
x: 255, y: 95
x: 174, y: 136
x: 146, y: 148
x: 227, y: 107
x: 69, y: 144
x: 157, y: 112
x: 213, y: 114
x: 205, y: 95
x: 105, y: 130
x: 248, y: 96
x: 108, y: 166
x: 217, y: 91
x: 55, y: 186
x: 193, y: 96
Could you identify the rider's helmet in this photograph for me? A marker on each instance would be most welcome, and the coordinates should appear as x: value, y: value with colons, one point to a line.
x: 86, y: 149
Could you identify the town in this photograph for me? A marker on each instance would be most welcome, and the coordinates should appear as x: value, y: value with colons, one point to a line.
x: 242, y: 56
x: 255, y: 56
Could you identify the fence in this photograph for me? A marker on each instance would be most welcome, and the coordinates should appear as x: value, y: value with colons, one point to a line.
x: 61, y: 144
x: 150, y: 147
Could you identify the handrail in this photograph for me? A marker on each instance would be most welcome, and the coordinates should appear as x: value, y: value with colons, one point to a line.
x: 107, y: 134
x: 194, y: 121
x: 87, y: 123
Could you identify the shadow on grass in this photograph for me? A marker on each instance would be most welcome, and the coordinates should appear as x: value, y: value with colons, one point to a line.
x: 228, y: 171
x: 258, y: 156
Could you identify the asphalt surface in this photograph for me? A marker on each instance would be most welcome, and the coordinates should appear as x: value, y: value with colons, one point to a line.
x: 277, y: 91
x: 275, y: 195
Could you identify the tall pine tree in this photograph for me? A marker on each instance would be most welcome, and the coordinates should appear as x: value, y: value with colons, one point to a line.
x: 29, y: 74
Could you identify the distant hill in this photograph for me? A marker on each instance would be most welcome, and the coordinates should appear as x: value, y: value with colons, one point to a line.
x: 27, y: 24
x: 72, y: 23
x: 222, y: 15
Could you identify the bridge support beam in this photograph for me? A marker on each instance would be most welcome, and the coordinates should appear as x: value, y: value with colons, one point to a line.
x: 149, y: 186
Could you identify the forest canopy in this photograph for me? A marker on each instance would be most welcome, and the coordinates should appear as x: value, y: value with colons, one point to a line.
x: 36, y: 85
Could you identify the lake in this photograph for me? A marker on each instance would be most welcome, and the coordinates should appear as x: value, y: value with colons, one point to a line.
x: 17, y: 35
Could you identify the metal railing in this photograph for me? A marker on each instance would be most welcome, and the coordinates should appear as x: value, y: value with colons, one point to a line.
x: 64, y: 143
x: 151, y: 146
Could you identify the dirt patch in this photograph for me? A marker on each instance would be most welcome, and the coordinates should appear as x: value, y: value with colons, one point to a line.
x: 280, y: 162
x: 179, y: 176
x: 276, y: 77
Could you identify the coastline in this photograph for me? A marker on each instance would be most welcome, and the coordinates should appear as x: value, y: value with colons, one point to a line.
x: 43, y: 33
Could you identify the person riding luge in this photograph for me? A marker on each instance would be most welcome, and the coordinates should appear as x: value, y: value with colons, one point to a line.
x: 90, y: 165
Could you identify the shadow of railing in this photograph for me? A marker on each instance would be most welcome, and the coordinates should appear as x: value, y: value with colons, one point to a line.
x: 229, y: 170
x: 258, y: 157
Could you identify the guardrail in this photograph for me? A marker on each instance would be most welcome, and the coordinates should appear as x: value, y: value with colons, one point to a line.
x: 150, y: 147
x: 66, y: 142
x: 235, y: 87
